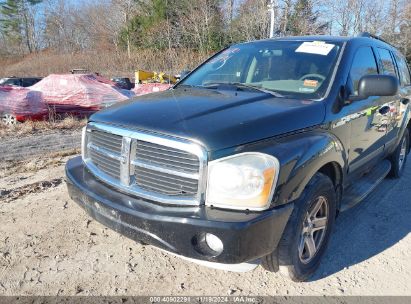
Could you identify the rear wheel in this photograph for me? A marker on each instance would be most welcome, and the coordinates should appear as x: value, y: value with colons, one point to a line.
x: 9, y: 119
x: 307, y: 233
x: 399, y: 157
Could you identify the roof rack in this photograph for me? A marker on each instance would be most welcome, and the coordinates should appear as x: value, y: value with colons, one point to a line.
x: 368, y: 35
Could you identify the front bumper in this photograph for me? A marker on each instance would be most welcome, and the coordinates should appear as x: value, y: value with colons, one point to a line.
x: 245, y: 236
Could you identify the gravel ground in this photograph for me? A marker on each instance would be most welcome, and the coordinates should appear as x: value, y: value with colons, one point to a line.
x: 49, y: 246
x: 38, y: 144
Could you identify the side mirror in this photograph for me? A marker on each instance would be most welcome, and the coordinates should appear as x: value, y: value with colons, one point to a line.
x: 376, y: 85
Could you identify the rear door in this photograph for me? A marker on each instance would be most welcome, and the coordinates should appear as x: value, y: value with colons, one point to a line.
x: 404, y: 93
x: 390, y: 118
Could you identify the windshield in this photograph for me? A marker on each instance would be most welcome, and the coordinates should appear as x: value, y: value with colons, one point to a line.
x: 293, y: 69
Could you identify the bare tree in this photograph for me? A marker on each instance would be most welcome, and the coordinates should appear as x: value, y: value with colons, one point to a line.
x: 374, y: 17
x: 252, y: 21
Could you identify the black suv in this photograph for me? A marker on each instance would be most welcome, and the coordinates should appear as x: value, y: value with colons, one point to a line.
x: 19, y: 81
x: 250, y: 158
x: 123, y: 82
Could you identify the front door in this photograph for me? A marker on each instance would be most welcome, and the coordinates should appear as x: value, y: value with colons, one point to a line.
x: 368, y: 117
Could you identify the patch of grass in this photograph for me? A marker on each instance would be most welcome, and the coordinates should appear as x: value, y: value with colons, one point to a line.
x: 35, y: 127
x: 46, y: 161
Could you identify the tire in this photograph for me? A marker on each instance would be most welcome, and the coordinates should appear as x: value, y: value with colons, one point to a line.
x: 9, y: 120
x: 399, y: 156
x: 294, y: 257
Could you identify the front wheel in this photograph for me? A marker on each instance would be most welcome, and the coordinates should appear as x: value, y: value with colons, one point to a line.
x: 308, y: 231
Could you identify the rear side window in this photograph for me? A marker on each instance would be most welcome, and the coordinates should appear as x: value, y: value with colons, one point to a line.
x: 403, y: 70
x: 388, y: 67
x: 26, y: 82
x: 363, y: 64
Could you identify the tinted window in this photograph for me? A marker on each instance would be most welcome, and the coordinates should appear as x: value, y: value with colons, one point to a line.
x: 294, y: 69
x: 12, y: 82
x: 387, y: 63
x: 363, y: 64
x: 403, y: 70
x: 26, y: 82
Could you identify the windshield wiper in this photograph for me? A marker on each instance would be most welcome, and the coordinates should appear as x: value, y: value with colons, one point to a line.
x: 242, y: 86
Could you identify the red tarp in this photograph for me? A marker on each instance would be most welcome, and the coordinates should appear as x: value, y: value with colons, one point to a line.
x: 78, y: 93
x: 147, y: 88
x: 22, y: 103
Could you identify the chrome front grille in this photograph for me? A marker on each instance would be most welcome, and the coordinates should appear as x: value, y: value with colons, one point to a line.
x: 159, y: 168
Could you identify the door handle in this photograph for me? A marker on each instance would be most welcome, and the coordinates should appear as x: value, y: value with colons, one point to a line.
x: 405, y: 101
x: 384, y: 110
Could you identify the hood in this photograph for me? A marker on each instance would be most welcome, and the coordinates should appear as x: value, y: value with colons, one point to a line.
x: 219, y: 119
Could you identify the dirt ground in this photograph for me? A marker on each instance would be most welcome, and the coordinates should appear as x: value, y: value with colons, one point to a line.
x: 49, y: 246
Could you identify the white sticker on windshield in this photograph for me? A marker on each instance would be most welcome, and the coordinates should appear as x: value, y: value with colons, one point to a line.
x: 315, y: 47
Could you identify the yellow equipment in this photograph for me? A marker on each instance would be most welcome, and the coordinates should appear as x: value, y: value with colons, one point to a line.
x: 153, y: 77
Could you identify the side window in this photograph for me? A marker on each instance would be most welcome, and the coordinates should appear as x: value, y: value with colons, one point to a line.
x: 26, y: 82
x: 363, y: 64
x: 387, y: 63
x: 403, y: 70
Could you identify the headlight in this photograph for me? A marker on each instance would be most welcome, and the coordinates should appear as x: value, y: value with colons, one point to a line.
x: 242, y: 181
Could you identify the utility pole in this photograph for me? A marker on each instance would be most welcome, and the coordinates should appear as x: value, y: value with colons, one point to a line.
x: 271, y: 7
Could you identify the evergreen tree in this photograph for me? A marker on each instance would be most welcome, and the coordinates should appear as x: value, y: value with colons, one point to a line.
x: 304, y: 20
x: 15, y: 21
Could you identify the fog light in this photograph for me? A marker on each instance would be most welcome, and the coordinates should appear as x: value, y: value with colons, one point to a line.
x: 214, y: 243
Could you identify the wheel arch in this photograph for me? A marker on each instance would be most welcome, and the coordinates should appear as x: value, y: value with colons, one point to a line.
x: 335, y: 172
x: 324, y: 153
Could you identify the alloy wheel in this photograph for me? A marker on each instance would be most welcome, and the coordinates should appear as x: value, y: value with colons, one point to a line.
x: 314, y: 230
x: 9, y: 119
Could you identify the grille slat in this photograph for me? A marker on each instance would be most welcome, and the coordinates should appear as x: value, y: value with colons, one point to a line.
x: 107, y: 169
x: 163, y: 152
x: 167, y: 157
x: 155, y: 169
x: 108, y: 146
x: 170, y: 166
x: 114, y: 140
x: 163, y: 188
x: 105, y: 160
x: 168, y: 150
x: 156, y: 174
x: 107, y: 141
x: 156, y: 159
x: 145, y: 177
x: 106, y: 164
x: 108, y: 136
